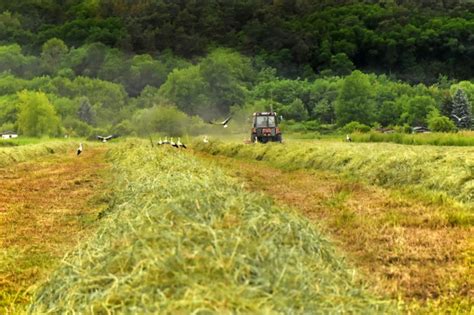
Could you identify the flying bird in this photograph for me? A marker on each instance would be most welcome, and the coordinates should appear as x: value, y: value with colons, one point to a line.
x: 223, y: 123
x: 459, y: 118
x: 105, y: 139
x: 79, y: 150
x: 180, y: 144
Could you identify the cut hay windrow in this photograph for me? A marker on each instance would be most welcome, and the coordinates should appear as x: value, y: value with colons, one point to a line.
x: 181, y: 237
x: 27, y: 152
x: 441, y: 170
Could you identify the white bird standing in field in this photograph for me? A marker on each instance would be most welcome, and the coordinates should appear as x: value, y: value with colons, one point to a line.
x: 173, y: 144
x: 205, y: 140
x: 348, y: 138
x: 180, y: 144
x: 160, y: 142
x: 166, y: 140
x: 79, y: 150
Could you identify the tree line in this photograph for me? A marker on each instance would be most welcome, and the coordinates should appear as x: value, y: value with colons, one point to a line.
x: 415, y: 41
x: 96, y: 89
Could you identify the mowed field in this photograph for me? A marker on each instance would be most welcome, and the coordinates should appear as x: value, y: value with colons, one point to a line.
x: 224, y: 227
x: 45, y: 210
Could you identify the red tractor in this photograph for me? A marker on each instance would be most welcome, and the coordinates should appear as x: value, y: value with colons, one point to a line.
x: 265, y: 127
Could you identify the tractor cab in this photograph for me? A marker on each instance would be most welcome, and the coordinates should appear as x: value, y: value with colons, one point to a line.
x: 265, y: 127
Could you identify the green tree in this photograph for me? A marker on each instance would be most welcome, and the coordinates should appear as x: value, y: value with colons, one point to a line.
x: 355, y: 101
x: 189, y: 91
x: 389, y: 113
x: 52, y: 54
x: 341, y: 64
x: 461, y: 113
x: 86, y: 112
x: 441, y: 124
x: 36, y: 116
x: 228, y: 76
x: 144, y: 70
x: 416, y: 110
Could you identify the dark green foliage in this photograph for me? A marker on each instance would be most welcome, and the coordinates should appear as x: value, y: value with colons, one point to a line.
x: 416, y: 40
x: 355, y: 101
x: 86, y: 112
x: 461, y: 112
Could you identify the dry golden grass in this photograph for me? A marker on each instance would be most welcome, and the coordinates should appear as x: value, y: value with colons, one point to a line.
x: 45, y: 210
x: 406, y: 246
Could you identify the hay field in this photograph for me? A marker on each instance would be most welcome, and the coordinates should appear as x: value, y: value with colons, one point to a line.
x: 463, y: 138
x: 48, y: 204
x: 442, y: 172
x: 27, y: 152
x: 408, y: 248
x: 181, y: 237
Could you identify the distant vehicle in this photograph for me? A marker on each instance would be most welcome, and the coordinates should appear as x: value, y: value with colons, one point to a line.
x: 9, y: 135
x: 265, y: 128
x: 420, y: 129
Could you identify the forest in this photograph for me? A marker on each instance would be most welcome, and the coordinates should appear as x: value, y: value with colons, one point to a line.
x: 86, y: 67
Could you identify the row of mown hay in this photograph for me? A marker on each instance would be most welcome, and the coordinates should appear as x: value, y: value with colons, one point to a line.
x: 180, y: 237
x: 27, y: 152
x: 465, y: 138
x: 443, y: 170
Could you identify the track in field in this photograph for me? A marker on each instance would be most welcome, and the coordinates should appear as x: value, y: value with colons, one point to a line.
x: 45, y: 210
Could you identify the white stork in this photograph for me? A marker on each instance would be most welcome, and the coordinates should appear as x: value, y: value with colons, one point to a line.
x: 105, y: 139
x: 223, y: 123
x: 180, y: 144
x: 80, y: 149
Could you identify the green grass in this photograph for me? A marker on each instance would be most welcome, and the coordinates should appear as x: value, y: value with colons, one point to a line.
x: 182, y: 237
x: 26, y: 152
x: 438, y: 139
x: 438, y: 172
x: 24, y: 141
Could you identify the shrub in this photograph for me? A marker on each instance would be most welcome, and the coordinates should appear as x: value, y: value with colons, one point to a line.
x: 441, y: 124
x: 355, y: 126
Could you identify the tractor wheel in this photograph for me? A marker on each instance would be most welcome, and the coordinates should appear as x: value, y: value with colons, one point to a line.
x: 278, y: 138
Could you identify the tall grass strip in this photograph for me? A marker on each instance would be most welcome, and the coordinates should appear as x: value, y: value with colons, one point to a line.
x: 442, y: 170
x: 180, y: 237
x: 465, y: 138
x: 27, y: 152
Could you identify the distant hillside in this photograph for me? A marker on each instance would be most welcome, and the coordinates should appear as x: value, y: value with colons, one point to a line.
x: 414, y: 40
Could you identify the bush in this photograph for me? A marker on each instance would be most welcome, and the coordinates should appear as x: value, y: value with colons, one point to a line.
x: 355, y: 126
x: 441, y: 124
